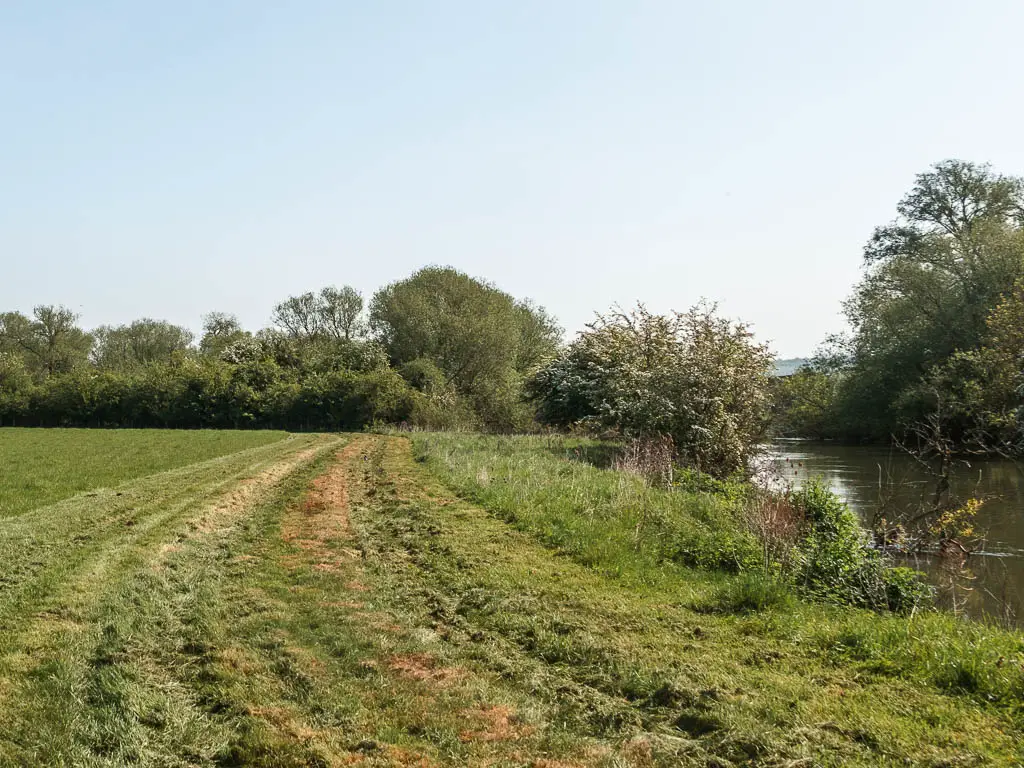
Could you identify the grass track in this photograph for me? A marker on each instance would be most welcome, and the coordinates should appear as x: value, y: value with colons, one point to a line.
x: 42, y: 466
x: 63, y: 563
x: 327, y: 601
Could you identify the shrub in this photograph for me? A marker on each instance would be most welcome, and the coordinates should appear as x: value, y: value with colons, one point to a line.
x: 834, y: 562
x: 690, y: 480
x: 696, y: 377
x: 904, y: 589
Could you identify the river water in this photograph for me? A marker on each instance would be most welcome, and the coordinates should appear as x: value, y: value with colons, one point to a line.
x: 992, y: 583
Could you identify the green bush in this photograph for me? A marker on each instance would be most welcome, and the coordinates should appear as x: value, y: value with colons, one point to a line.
x: 904, y: 589
x: 695, y: 377
x: 834, y: 562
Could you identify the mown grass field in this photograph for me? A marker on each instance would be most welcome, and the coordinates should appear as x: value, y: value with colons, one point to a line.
x: 41, y: 466
x: 453, y: 600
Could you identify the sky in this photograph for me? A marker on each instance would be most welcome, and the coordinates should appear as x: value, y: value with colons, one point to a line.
x: 169, y: 159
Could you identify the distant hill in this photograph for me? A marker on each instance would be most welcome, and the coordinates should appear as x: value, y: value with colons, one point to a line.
x: 789, y: 365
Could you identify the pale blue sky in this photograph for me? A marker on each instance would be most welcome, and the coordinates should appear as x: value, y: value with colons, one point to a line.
x: 167, y: 159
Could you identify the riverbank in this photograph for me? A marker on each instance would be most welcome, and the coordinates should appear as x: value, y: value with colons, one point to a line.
x: 880, y: 680
x: 868, y: 477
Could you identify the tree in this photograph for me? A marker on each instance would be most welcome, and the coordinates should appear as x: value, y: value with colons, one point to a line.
x: 931, y: 279
x: 695, y: 377
x: 980, y: 392
x: 140, y: 343
x: 220, y: 331
x: 333, y: 313
x: 16, y: 334
x: 804, y: 403
x: 15, y: 386
x: 298, y: 316
x: 1003, y: 360
x: 340, y: 312
x: 482, y: 339
x: 50, y: 342
x: 317, y: 368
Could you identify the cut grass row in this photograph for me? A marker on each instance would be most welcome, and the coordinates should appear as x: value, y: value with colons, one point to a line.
x: 80, y: 573
x: 42, y: 466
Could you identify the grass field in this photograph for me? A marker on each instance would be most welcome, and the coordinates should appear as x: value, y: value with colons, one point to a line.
x: 330, y: 600
x: 41, y: 466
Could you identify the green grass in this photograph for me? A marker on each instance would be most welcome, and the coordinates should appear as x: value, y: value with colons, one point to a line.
x: 324, y: 600
x: 105, y: 603
x: 41, y: 466
x: 586, y: 514
x: 611, y: 520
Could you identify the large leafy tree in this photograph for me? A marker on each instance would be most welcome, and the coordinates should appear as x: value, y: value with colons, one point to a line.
x: 298, y: 316
x: 144, y: 341
x: 341, y: 311
x: 931, y: 279
x: 320, y: 332
x: 49, y: 342
x: 803, y: 403
x: 15, y: 386
x: 694, y: 376
x: 480, y: 338
x: 980, y: 392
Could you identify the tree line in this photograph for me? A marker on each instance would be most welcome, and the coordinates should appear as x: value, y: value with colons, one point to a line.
x: 937, y: 338
x: 937, y: 325
x: 439, y: 349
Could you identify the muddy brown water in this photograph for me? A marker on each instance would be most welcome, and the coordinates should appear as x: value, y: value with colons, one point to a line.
x: 992, y: 584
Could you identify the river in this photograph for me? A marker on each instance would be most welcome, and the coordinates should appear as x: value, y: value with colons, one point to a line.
x: 992, y: 583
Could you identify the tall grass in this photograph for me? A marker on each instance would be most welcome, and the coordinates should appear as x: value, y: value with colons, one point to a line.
x: 615, y: 521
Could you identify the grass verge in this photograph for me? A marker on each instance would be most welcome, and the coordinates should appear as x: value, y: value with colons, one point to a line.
x: 569, y: 506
